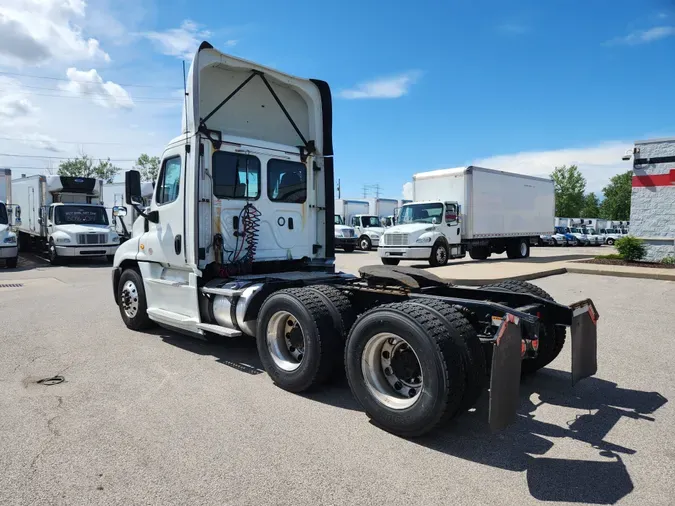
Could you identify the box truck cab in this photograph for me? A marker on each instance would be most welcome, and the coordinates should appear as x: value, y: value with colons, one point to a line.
x: 64, y: 216
x: 9, y: 250
x: 369, y: 229
x: 345, y: 237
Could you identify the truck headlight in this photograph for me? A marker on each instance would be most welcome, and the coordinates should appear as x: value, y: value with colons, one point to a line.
x: 115, y: 238
x: 63, y: 240
x: 339, y: 234
x: 423, y: 240
x: 374, y: 235
x: 10, y: 240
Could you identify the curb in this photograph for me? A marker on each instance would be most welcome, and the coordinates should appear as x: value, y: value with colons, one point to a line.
x: 622, y: 274
x: 521, y: 277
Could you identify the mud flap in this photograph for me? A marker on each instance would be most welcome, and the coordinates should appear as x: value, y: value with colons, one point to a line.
x: 584, y: 330
x: 505, y: 377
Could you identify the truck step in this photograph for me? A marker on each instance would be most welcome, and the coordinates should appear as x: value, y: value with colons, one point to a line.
x: 217, y: 329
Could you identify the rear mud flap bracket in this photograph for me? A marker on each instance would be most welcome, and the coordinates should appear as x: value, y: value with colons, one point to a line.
x: 584, y: 331
x: 505, y: 377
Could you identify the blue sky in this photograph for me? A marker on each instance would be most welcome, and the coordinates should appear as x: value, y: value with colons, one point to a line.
x: 522, y: 85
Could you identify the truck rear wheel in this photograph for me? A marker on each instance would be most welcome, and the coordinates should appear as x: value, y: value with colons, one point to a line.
x: 475, y: 370
x: 391, y: 261
x: 349, y: 249
x: 12, y: 262
x: 552, y: 338
x: 439, y: 255
x: 518, y: 249
x: 610, y: 241
x: 296, y: 340
x: 405, y: 368
x: 132, y: 303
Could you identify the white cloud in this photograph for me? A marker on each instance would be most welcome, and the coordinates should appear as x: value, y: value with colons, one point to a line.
x: 14, y: 102
x: 384, y: 87
x: 407, y: 191
x: 181, y: 42
x: 35, y: 31
x: 89, y: 84
x: 597, y: 163
x: 643, y: 36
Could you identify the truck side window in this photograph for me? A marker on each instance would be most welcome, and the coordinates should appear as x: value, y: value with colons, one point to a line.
x: 355, y: 221
x: 168, y: 183
x: 286, y: 181
x: 235, y: 176
x: 51, y: 214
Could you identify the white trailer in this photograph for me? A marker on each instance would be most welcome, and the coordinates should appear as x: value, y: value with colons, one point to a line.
x: 113, y: 199
x: 63, y: 215
x: 9, y: 251
x: 474, y: 209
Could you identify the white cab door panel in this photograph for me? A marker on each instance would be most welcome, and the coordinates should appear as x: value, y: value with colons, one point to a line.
x: 170, y: 284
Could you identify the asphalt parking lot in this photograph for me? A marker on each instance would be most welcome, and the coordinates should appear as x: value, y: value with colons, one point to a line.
x: 159, y: 418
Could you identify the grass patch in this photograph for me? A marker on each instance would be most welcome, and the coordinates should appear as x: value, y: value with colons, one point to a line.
x: 613, y: 256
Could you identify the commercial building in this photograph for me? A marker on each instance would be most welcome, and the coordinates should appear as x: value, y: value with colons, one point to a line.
x: 652, y: 212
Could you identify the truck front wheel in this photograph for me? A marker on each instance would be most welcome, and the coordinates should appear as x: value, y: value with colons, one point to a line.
x: 404, y: 368
x: 296, y: 339
x: 390, y: 261
x: 54, y: 257
x: 439, y: 255
x: 132, y: 303
x: 365, y: 243
x: 12, y: 262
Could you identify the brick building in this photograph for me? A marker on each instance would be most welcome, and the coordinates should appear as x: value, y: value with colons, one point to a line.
x: 652, y: 211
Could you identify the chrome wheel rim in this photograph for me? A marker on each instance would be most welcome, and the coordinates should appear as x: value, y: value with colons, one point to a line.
x: 441, y: 254
x: 523, y: 249
x: 130, y: 299
x: 285, y: 341
x: 392, y: 371
x: 364, y: 244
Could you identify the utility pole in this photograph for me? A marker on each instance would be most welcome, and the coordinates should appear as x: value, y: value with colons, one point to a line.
x: 338, y: 188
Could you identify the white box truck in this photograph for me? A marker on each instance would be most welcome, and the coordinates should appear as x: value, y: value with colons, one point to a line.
x: 239, y: 241
x: 64, y: 216
x: 121, y: 214
x: 9, y: 251
x: 356, y: 214
x: 482, y: 211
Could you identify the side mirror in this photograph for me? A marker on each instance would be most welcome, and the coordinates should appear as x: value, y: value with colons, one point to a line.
x: 119, y: 211
x: 132, y: 187
x: 434, y: 221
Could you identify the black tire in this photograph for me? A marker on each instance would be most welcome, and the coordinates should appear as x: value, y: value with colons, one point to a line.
x: 439, y: 254
x: 438, y: 356
x: 552, y: 338
x: 554, y: 242
x: 340, y: 308
x: 54, y: 257
x: 12, y: 262
x: 133, y: 296
x: 610, y: 241
x: 320, y: 340
x: 110, y: 258
x: 349, y: 249
x: 391, y: 261
x: 518, y: 249
x: 365, y: 243
x: 475, y: 369
x: 479, y: 252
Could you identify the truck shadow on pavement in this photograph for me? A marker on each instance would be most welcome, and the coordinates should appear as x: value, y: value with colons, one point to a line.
x: 594, y: 407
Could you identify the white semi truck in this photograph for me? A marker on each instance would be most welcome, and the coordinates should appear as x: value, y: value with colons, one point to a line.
x: 482, y: 211
x: 238, y: 240
x: 9, y: 251
x: 64, y: 216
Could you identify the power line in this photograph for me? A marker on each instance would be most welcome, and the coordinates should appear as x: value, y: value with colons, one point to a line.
x: 147, y: 100
x: 89, y: 92
x: 23, y: 139
x: 88, y: 82
x: 62, y: 157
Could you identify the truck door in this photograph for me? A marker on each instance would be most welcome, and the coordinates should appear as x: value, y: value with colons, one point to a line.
x: 169, y: 281
x: 451, y: 227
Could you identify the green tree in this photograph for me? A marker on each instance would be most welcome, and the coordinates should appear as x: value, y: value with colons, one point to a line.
x: 148, y: 166
x: 591, y: 208
x: 616, y: 205
x: 85, y: 166
x: 569, y: 185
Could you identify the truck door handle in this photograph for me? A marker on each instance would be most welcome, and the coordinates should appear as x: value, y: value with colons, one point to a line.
x: 290, y: 223
x: 177, y: 244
